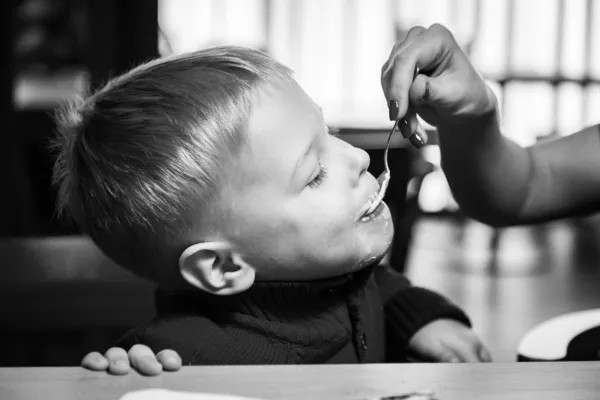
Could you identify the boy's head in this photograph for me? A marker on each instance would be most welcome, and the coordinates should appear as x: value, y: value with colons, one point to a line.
x: 216, y: 166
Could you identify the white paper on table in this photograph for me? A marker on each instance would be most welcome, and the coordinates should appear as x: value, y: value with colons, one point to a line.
x: 165, y: 394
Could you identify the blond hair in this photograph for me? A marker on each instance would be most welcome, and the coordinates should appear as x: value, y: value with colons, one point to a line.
x: 140, y: 161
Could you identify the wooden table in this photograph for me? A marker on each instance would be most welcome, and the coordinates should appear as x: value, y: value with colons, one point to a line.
x: 530, y: 381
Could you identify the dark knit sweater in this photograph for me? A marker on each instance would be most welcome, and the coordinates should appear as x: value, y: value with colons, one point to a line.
x: 365, y: 317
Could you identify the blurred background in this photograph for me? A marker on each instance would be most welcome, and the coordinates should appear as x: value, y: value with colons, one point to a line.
x: 60, y: 297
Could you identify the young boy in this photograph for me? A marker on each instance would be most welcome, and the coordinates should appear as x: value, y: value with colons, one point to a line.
x: 213, y: 174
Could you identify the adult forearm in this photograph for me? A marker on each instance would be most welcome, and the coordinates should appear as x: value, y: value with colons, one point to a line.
x: 489, y: 175
x: 566, y: 179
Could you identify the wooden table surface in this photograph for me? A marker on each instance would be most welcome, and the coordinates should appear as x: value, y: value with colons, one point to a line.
x: 506, y: 381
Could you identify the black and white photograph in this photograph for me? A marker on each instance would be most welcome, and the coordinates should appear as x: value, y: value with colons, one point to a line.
x: 300, y: 199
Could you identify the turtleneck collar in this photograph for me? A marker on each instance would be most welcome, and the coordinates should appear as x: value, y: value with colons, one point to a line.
x: 271, y: 301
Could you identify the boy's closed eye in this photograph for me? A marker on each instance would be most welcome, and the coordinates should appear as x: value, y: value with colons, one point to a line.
x: 322, y: 171
x: 318, y: 179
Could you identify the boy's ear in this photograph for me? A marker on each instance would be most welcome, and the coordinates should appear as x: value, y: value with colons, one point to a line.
x: 216, y: 268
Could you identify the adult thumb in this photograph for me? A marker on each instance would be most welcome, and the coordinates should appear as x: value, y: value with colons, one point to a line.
x: 423, y: 91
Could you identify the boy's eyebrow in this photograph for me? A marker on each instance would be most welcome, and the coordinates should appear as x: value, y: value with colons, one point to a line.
x: 301, y: 159
x: 306, y: 153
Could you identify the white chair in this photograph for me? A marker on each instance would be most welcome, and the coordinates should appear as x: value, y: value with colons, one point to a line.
x: 569, y: 337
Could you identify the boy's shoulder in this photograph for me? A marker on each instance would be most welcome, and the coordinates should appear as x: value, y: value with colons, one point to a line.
x: 201, y: 341
x: 188, y: 335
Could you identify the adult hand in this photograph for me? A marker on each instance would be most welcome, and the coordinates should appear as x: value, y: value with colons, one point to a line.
x: 447, y: 89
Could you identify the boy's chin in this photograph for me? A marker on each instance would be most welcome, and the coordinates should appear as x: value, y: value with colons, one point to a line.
x: 373, y: 260
x: 378, y: 243
x: 377, y: 253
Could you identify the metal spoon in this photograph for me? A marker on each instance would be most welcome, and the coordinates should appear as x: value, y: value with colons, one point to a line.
x: 417, y: 139
x: 384, y: 178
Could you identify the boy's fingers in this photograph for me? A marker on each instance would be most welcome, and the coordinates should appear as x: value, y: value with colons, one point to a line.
x: 144, y: 360
x: 118, y: 362
x: 447, y: 356
x: 466, y: 350
x: 170, y: 360
x: 94, y: 361
x: 484, y: 354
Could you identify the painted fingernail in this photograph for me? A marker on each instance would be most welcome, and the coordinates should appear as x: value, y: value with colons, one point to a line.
x: 423, y: 133
x: 393, y: 109
x: 416, y: 140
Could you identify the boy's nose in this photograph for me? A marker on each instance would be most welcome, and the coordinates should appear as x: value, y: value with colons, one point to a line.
x: 362, y: 161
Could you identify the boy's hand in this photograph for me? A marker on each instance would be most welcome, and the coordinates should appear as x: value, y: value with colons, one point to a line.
x: 447, y: 89
x: 447, y: 340
x: 117, y: 362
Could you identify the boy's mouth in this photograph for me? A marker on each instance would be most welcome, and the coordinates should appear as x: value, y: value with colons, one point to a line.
x: 372, y: 207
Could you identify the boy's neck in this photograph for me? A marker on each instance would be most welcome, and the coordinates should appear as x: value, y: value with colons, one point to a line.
x: 271, y: 300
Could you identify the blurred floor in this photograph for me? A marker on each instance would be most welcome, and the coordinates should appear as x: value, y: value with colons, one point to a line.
x: 533, y: 274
